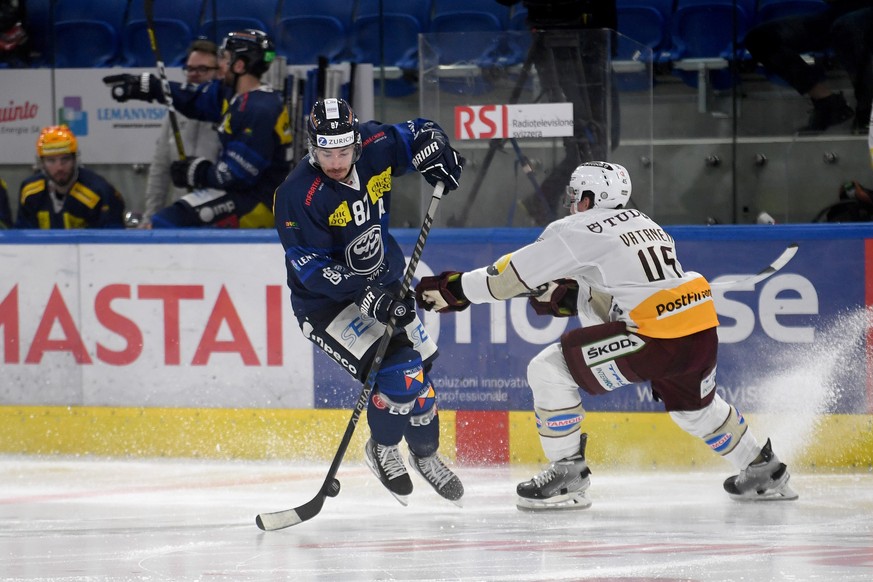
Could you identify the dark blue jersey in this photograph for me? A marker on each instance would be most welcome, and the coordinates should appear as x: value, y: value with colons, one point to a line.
x: 336, y: 236
x: 92, y: 202
x: 5, y: 209
x: 254, y: 132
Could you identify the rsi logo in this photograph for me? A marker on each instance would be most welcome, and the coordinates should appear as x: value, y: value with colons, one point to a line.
x: 481, y: 121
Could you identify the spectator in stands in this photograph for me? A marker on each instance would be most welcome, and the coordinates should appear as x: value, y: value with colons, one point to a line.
x: 566, y: 74
x: 63, y: 194
x: 847, y: 27
x: 236, y: 190
x: 5, y: 210
x: 199, y: 138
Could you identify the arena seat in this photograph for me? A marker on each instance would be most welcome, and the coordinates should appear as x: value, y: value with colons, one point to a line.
x: 706, y: 37
x: 307, y: 30
x: 98, y: 21
x: 174, y: 25
x: 396, y: 38
x: 221, y: 17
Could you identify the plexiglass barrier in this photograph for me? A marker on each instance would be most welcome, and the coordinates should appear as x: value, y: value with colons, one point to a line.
x: 525, y: 109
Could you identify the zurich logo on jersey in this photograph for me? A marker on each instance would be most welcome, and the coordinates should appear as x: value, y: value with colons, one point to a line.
x: 364, y: 254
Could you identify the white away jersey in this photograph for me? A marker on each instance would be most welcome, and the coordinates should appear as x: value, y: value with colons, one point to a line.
x: 621, y: 253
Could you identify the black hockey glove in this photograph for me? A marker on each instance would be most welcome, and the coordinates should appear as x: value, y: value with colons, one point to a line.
x: 436, y: 159
x: 558, y: 300
x: 190, y: 173
x: 381, y: 305
x: 145, y: 87
x: 442, y: 293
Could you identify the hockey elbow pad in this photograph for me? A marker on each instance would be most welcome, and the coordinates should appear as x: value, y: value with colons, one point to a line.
x: 442, y: 293
x: 559, y: 300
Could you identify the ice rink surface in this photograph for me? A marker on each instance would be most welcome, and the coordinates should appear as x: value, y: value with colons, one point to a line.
x: 77, y: 520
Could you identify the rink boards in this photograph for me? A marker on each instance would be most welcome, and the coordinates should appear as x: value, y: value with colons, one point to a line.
x: 184, y: 344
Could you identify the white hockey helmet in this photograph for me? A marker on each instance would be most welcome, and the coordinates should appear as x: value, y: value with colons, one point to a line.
x: 608, y: 184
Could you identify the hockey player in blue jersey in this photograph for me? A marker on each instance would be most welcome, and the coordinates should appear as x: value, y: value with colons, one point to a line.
x: 344, y: 269
x: 252, y: 123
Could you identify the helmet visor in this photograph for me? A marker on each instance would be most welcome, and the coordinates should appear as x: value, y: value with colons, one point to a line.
x: 571, y: 197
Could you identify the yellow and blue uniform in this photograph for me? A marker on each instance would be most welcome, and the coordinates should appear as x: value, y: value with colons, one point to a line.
x: 92, y: 202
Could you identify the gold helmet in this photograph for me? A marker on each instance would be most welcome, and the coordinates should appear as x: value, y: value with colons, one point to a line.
x: 56, y: 140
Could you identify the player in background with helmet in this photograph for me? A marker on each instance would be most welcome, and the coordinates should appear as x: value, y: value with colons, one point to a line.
x: 644, y: 318
x: 344, y: 270
x: 63, y: 194
x: 237, y: 189
x: 199, y: 138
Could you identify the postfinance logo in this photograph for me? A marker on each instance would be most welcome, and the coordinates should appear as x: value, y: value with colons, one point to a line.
x: 73, y: 116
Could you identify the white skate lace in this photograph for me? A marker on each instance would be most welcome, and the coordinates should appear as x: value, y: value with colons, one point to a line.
x: 544, y: 476
x: 435, y: 471
x: 390, y: 461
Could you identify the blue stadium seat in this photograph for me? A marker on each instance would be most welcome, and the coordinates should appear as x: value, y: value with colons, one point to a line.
x: 703, y: 39
x: 773, y: 9
x: 474, y: 16
x: 221, y: 17
x: 309, y: 29
x: 402, y: 21
x: 39, y: 30
x: 486, y: 42
x: 87, y: 32
x: 647, y: 23
x: 174, y: 25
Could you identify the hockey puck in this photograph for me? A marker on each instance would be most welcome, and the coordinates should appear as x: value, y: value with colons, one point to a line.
x: 334, y: 488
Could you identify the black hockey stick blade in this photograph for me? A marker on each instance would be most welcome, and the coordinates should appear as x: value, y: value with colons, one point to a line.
x: 331, y: 487
x: 773, y: 267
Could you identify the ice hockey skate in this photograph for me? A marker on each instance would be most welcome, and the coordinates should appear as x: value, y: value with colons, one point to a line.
x: 386, y: 463
x: 766, y: 480
x: 440, y: 477
x: 562, y: 485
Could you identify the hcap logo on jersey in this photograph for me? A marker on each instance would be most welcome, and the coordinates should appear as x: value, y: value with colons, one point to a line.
x: 335, y: 141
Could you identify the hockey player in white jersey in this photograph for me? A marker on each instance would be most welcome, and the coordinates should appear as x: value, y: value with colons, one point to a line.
x: 644, y: 319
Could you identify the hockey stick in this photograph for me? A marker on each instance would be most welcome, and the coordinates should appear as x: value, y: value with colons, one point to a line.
x: 776, y: 265
x: 331, y: 485
x: 148, y: 8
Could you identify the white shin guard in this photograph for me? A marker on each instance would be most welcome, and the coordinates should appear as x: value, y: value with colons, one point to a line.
x: 557, y: 403
x: 723, y: 429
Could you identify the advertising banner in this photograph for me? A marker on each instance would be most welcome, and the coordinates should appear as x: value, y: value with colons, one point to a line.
x: 202, y: 319
x: 807, y: 321
x: 108, y: 132
x: 177, y: 325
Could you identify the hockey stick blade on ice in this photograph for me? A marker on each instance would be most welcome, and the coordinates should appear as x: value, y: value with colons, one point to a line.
x: 764, y: 273
x: 331, y: 486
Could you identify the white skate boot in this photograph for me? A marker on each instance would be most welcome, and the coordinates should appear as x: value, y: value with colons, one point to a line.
x: 766, y: 480
x: 440, y: 477
x: 387, y: 465
x: 562, y: 485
